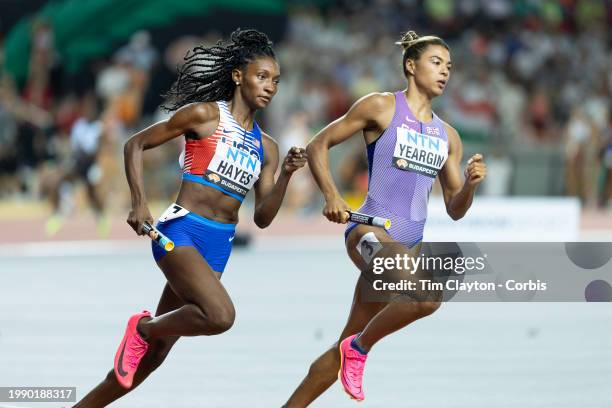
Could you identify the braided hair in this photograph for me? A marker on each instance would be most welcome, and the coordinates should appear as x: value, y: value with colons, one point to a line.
x: 206, y: 75
x: 414, y: 46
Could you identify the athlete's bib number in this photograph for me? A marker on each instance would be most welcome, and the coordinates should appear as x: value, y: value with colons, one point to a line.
x: 172, y: 212
x: 233, y: 169
x: 419, y: 153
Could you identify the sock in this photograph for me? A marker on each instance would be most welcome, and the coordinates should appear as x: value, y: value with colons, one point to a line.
x: 357, y: 347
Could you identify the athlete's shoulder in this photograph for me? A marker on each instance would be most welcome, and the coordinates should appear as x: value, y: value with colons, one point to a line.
x: 204, y: 110
x: 451, y: 132
x: 377, y: 100
x: 270, y: 148
x: 454, y: 140
x: 197, y: 112
x: 268, y: 140
x: 374, y: 108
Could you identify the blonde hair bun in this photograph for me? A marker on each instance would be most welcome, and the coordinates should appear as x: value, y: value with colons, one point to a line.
x: 408, y: 39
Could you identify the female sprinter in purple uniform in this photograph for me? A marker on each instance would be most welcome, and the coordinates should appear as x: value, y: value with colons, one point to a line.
x: 217, y: 93
x: 408, y: 146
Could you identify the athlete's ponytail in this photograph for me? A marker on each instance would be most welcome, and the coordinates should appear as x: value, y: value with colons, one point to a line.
x: 206, y: 75
x: 414, y: 46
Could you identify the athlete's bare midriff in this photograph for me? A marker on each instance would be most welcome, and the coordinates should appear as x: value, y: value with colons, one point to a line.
x: 208, y: 202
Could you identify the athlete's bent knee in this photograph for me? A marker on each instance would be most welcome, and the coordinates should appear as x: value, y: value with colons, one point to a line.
x: 220, y: 319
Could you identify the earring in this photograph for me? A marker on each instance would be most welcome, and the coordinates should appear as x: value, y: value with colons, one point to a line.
x: 237, y: 83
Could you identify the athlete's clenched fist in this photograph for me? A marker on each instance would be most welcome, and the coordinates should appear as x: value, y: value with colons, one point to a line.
x: 295, y: 159
x: 476, y: 170
x: 336, y: 210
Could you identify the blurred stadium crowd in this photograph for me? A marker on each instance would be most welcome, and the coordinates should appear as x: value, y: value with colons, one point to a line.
x: 530, y: 87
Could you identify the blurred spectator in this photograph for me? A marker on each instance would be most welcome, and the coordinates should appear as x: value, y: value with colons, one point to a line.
x: 510, y: 104
x: 85, y: 141
x: 499, y: 173
x: 472, y: 107
x: 8, y: 154
x: 122, y: 88
x: 301, y: 190
x: 123, y: 83
x: 23, y: 144
x: 580, y: 151
x: 539, y: 116
x: 43, y: 59
x: 139, y: 52
x: 606, y: 153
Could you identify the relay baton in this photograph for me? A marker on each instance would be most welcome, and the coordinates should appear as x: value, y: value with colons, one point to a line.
x: 369, y: 220
x: 159, y: 238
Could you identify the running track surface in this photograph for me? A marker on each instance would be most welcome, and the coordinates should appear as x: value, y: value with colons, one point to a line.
x: 63, y: 311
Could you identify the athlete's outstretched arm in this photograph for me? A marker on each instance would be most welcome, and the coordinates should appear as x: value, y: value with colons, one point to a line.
x: 269, y: 194
x: 187, y: 119
x: 458, y: 195
x: 367, y: 114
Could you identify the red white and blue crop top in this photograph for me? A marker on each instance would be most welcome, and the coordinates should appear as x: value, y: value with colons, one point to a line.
x: 229, y: 160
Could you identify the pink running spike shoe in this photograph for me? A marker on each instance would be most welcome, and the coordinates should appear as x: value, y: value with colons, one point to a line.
x: 131, y: 350
x: 352, y: 363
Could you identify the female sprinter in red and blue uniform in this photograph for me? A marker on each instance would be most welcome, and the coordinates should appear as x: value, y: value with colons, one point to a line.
x: 226, y: 154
